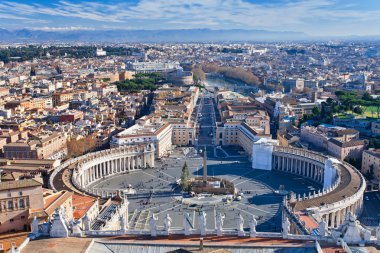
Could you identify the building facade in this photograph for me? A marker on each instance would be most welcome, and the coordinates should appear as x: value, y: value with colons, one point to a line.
x: 17, y: 199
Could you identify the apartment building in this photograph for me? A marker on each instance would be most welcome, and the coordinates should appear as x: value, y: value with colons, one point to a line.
x: 371, y: 164
x: 146, y: 130
x: 319, y: 136
x: 32, y: 103
x: 343, y: 150
x: 49, y: 146
x: 17, y: 200
x: 183, y: 134
x: 62, y: 97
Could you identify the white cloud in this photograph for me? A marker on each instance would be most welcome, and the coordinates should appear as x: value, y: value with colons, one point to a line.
x: 65, y: 28
x: 166, y: 14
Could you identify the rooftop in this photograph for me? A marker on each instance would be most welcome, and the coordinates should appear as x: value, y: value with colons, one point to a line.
x: 9, y: 185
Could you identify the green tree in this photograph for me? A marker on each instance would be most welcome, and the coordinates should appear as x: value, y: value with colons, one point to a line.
x: 367, y: 96
x: 316, y: 111
x: 357, y: 110
x: 185, y: 178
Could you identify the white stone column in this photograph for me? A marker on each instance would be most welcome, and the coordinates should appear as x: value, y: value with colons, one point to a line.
x: 338, y: 218
x: 282, y: 167
x: 93, y: 173
x: 89, y: 175
x: 152, y: 159
x: 86, y: 173
x: 133, y: 162
x: 327, y: 219
x: 333, y: 219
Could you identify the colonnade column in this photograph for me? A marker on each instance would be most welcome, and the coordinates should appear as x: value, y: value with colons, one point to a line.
x: 333, y: 219
x: 338, y: 218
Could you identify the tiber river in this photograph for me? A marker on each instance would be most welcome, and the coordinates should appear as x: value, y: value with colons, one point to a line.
x: 230, y: 84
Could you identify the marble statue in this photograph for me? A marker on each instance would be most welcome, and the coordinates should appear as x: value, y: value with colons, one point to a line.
x: 219, y: 223
x: 367, y: 235
x: 202, y: 222
x: 240, y: 225
x: 35, y: 225
x: 351, y: 231
x: 252, y: 226
x: 187, y: 223
x: 167, y: 223
x: 153, y: 225
x: 58, y: 226
x: 285, y: 227
x: 123, y: 223
x: 86, y: 222
x: 322, y: 228
x: 45, y: 228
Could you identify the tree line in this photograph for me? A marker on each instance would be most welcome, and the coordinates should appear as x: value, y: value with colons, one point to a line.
x: 146, y: 81
x: 237, y: 73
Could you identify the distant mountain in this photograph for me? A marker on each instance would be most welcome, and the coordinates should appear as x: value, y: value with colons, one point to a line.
x: 189, y: 35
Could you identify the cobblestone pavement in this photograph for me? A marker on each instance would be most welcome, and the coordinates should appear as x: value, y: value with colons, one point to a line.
x: 157, y: 192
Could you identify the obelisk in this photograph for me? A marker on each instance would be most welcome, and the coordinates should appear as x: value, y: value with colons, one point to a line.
x: 205, y: 166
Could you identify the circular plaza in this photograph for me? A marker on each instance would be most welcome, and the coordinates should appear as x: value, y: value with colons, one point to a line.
x: 156, y: 191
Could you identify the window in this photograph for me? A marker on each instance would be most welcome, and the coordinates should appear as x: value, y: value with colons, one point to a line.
x: 20, y: 193
x: 22, y: 203
x: 9, y: 195
x: 11, y: 220
x: 10, y: 204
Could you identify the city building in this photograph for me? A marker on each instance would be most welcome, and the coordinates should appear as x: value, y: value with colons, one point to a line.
x: 371, y: 164
x: 146, y: 130
x: 46, y: 146
x: 17, y: 200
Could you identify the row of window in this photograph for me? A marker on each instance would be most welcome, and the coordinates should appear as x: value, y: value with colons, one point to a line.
x: 11, y: 204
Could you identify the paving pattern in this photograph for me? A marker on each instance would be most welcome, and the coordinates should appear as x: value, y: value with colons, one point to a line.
x: 157, y: 192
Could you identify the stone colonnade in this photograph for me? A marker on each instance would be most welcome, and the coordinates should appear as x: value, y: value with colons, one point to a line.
x: 299, y: 165
x: 110, y: 162
x: 311, y: 165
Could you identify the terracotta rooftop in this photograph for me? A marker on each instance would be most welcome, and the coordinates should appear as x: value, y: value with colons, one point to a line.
x: 7, y: 239
x: 19, y: 184
x: 81, y: 205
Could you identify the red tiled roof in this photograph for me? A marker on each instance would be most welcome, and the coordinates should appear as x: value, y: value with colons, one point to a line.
x: 82, y: 204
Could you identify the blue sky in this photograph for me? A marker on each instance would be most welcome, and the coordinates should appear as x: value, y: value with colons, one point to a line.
x: 315, y: 17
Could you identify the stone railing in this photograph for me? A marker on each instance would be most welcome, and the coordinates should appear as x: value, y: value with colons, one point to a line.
x: 102, y: 233
x: 319, y: 193
x: 61, y: 167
